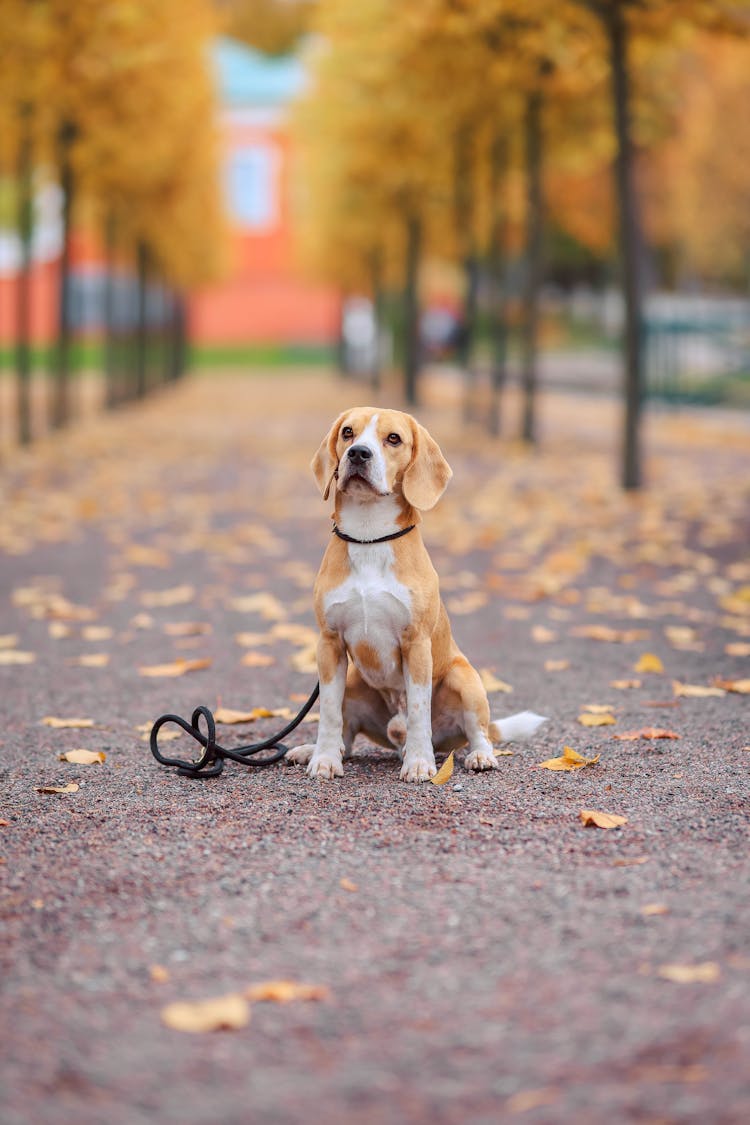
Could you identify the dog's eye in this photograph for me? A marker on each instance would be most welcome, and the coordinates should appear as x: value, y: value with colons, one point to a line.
x: 393, y: 439
x: 347, y: 432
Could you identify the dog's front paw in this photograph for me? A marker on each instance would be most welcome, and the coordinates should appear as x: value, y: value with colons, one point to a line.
x: 418, y: 768
x: 480, y: 760
x: 325, y: 765
x: 300, y: 755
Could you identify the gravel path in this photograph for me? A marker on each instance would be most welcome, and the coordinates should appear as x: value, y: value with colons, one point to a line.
x: 486, y: 956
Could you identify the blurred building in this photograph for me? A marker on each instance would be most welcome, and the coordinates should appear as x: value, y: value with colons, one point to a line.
x: 265, y: 297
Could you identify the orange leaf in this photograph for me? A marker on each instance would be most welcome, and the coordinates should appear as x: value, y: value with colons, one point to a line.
x: 284, y: 991
x: 348, y: 885
x: 592, y: 818
x: 740, y: 686
x: 646, y: 732
x: 445, y: 772
x: 231, y: 1011
x: 227, y: 716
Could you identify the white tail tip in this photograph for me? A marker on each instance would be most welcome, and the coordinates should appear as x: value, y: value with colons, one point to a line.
x: 516, y: 728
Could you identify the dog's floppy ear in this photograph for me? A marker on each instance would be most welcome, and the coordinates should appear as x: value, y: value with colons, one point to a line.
x: 428, y: 473
x: 325, y: 463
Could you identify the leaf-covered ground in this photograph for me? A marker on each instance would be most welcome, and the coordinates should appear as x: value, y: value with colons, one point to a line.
x: 564, y: 939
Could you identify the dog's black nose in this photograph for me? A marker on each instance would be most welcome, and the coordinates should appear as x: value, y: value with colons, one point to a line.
x: 359, y: 454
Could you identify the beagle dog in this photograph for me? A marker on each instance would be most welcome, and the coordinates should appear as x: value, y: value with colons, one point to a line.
x: 388, y: 665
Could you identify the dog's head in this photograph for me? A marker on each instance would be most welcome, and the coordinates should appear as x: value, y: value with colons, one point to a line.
x: 370, y: 452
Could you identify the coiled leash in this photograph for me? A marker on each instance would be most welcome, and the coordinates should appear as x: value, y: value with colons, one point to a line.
x: 211, y: 761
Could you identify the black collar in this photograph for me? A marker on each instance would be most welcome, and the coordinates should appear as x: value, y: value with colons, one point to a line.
x: 367, y: 542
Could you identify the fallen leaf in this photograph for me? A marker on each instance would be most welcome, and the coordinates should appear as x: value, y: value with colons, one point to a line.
x: 704, y: 972
x: 649, y: 663
x: 598, y: 708
x: 284, y: 991
x: 695, y: 691
x: 348, y: 885
x: 605, y: 633
x: 646, y: 732
x: 58, y: 629
x: 630, y: 861
x: 176, y: 668
x: 542, y: 635
x: 492, y: 683
x: 96, y: 632
x: 140, y: 555
x: 525, y: 1100
x: 175, y: 595
x: 737, y: 648
x: 569, y: 760
x: 83, y: 757
x: 227, y: 716
x: 742, y: 687
x: 624, y: 685
x: 467, y: 603
x: 445, y: 772
x: 684, y: 638
x: 231, y: 1012
x: 159, y: 974
x: 71, y: 787
x: 592, y: 818
x: 504, y: 753
x: 650, y: 909
x: 8, y: 640
x: 92, y: 660
x: 187, y: 628
x: 4, y: 823
x: 603, y: 720
x: 556, y: 665
x: 269, y: 607
x: 64, y: 724
x: 16, y: 656
x: 257, y: 660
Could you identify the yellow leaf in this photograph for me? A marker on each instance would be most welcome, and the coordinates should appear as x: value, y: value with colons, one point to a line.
x: 258, y: 660
x: 62, y: 724
x: 83, y: 757
x: 598, y: 708
x: 592, y: 818
x: 71, y: 787
x: 231, y: 1011
x: 556, y: 665
x: 176, y: 668
x: 492, y: 683
x: 58, y: 629
x: 569, y: 760
x: 176, y: 595
x: 588, y: 720
x: 649, y: 663
x: 284, y: 991
x: 624, y: 685
x: 705, y: 972
x: 187, y: 628
x: 92, y: 660
x: 15, y: 656
x: 445, y: 772
x: 542, y: 635
x: 227, y: 716
x: 695, y: 691
x: 96, y: 632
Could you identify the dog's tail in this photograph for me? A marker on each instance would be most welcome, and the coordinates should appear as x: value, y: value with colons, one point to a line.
x: 516, y: 728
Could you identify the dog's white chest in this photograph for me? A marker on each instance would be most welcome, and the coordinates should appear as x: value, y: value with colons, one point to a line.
x: 370, y: 609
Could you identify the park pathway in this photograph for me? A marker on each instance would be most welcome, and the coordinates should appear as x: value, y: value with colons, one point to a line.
x: 477, y: 953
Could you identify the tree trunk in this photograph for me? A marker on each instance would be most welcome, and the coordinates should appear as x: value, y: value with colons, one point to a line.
x: 23, y: 285
x: 141, y: 341
x: 61, y: 396
x: 112, y: 395
x: 534, y: 229
x: 463, y: 204
x: 411, y: 308
x: 630, y: 247
x: 496, y: 269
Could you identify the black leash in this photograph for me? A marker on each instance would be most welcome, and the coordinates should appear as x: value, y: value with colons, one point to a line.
x: 211, y: 761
